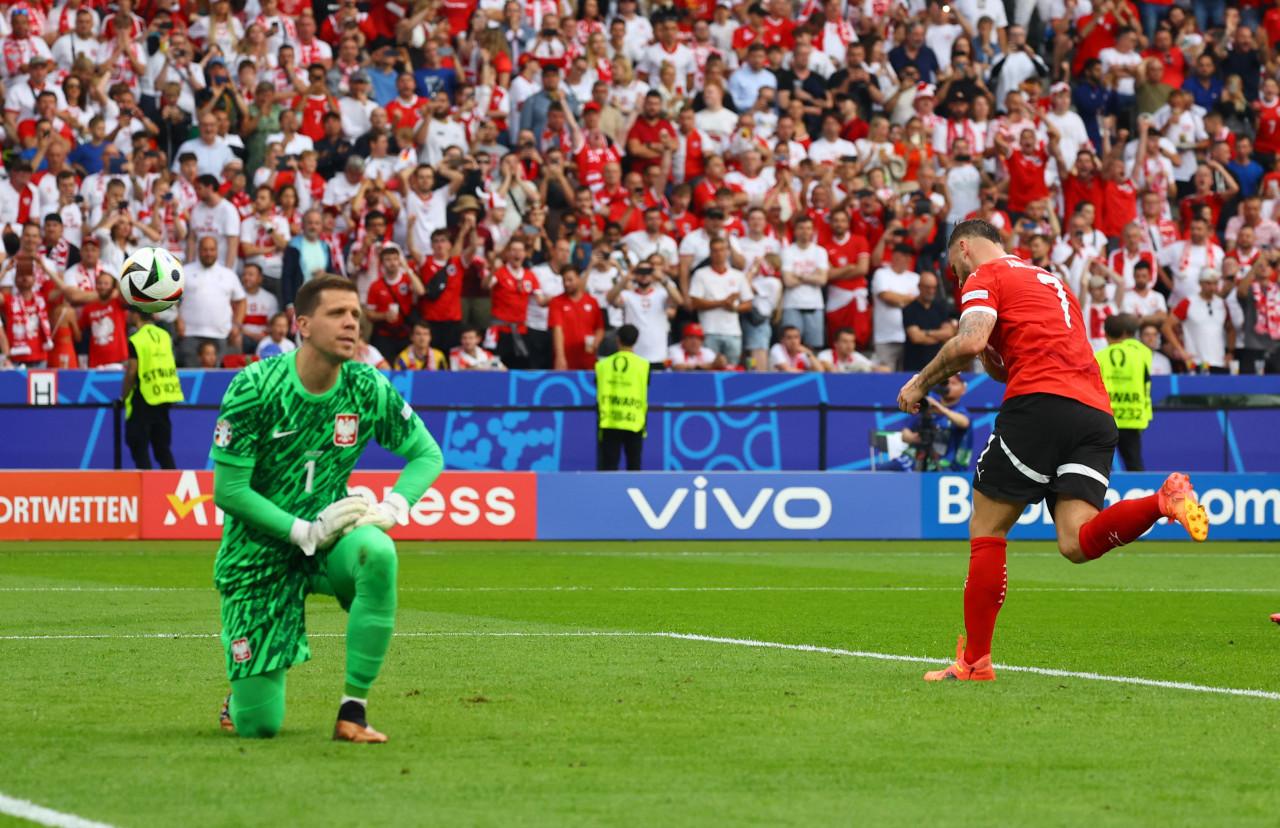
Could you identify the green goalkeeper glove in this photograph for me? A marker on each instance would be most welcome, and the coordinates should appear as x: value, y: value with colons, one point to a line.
x: 334, y: 521
x: 392, y: 512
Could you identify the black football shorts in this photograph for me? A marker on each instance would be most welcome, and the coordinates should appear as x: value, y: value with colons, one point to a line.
x: 1044, y: 446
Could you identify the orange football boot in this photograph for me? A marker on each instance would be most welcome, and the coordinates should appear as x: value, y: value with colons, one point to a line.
x: 961, y: 671
x: 345, y: 731
x: 1179, y: 504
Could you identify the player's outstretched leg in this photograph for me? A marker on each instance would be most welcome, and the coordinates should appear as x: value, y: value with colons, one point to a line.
x: 1124, y: 522
x: 255, y: 708
x: 361, y: 569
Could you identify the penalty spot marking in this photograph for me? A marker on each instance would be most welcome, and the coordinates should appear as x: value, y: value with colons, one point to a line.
x: 738, y: 642
x: 22, y: 809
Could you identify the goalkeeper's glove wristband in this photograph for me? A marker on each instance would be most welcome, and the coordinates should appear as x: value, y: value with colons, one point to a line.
x: 392, y: 512
x: 334, y: 521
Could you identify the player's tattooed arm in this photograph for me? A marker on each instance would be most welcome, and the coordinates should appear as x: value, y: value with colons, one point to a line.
x: 958, y: 351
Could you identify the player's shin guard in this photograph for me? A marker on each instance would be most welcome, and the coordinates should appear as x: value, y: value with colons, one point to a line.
x: 984, y: 591
x: 373, y: 609
x: 1119, y: 524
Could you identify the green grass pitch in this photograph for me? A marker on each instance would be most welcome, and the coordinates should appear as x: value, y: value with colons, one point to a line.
x: 501, y: 711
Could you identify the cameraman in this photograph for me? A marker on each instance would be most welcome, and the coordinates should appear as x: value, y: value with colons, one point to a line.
x: 939, y: 438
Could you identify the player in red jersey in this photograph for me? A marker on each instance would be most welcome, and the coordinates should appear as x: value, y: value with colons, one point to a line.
x: 1053, y: 439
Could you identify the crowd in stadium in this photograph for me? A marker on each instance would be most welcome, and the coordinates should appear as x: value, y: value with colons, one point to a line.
x: 754, y: 187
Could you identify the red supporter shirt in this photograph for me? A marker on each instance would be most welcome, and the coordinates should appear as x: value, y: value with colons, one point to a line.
x: 447, y: 307
x: 1119, y: 207
x: 591, y: 165
x: 1268, y: 137
x: 869, y: 227
x: 404, y: 115
x: 1026, y: 178
x: 1076, y: 190
x: 845, y: 254
x: 1192, y: 204
x: 1040, y: 332
x: 578, y: 319
x: 648, y: 133
x: 313, y: 112
x: 684, y: 224
x: 382, y: 296
x: 510, y: 295
x: 105, y: 322
x: 634, y: 223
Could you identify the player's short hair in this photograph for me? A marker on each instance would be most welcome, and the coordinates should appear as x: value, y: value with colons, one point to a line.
x: 1114, y: 326
x: 628, y: 335
x: 308, y: 298
x: 1143, y: 264
x: 1131, y: 324
x: 440, y: 233
x: 974, y: 228
x: 208, y: 180
x: 186, y: 156
x: 841, y: 331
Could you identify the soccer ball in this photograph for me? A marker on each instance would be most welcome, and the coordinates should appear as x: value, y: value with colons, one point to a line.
x: 152, y: 280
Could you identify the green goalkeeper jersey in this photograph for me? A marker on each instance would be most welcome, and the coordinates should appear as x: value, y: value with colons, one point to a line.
x: 302, y: 448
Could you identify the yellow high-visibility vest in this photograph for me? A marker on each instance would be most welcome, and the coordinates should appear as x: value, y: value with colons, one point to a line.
x: 1126, y: 372
x: 622, y: 391
x: 157, y: 372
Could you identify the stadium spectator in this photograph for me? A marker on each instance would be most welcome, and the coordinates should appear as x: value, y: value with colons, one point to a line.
x: 789, y: 355
x: 895, y: 286
x: 212, y: 307
x: 277, y: 340
x: 577, y: 325
x: 927, y: 324
x: 648, y: 301
x: 469, y: 356
x: 1205, y: 326
x: 391, y: 299
x: 419, y: 355
x: 718, y: 294
x: 843, y: 358
x: 692, y: 354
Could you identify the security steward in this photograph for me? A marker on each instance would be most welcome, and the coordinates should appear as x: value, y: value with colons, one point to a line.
x: 150, y: 387
x: 1126, y: 372
x: 622, y: 397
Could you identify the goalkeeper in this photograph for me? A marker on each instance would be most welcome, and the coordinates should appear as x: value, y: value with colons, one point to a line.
x: 289, y: 434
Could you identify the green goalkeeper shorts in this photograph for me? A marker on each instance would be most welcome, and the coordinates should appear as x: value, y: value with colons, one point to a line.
x: 264, y: 627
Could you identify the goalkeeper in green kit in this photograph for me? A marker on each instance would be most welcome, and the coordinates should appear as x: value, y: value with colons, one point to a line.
x: 289, y: 434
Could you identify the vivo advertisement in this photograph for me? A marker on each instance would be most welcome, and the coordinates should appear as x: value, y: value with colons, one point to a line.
x: 848, y: 505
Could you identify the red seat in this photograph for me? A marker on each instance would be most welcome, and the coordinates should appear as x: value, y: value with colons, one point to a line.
x: 238, y: 361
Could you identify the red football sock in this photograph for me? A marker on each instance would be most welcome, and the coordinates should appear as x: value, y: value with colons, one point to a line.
x: 983, y: 595
x: 1119, y: 524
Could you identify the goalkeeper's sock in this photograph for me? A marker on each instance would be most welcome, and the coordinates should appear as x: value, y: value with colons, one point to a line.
x: 353, y: 710
x: 373, y: 610
x: 1119, y: 524
x: 983, y: 595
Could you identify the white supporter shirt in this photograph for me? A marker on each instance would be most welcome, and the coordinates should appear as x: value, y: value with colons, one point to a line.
x: 440, y: 136
x: 681, y: 58
x: 220, y: 221
x: 355, y: 117
x: 752, y: 249
x: 779, y: 355
x: 719, y: 125
x: 1203, y: 329
x: 802, y: 262
x: 648, y: 312
x: 708, y: 283
x: 599, y: 283
x: 430, y: 215
x: 823, y: 151
x: 337, y: 193
x: 206, y: 300
x: 886, y: 319
x: 258, y: 309
x: 698, y: 245
x: 640, y: 247
x: 677, y: 355
x: 1142, y: 306
x: 768, y: 293
x: 257, y: 231
x: 756, y: 187
x: 855, y: 364
x: 1186, y: 279
x: 1111, y: 58
x: 550, y: 284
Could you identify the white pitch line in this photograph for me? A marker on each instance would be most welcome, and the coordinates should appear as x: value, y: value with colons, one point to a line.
x: 22, y: 809
x: 957, y: 587
x: 740, y: 642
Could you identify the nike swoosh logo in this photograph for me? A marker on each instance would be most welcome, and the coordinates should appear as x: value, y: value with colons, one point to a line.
x: 276, y: 435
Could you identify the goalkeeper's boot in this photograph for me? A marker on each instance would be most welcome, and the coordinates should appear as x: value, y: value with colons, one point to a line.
x: 1276, y: 617
x: 352, y: 727
x: 224, y: 718
x: 961, y: 670
x: 1179, y: 504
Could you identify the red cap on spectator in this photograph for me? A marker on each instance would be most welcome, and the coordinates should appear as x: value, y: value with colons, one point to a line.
x: 1059, y: 87
x: 590, y: 106
x: 91, y: 240
x: 693, y: 329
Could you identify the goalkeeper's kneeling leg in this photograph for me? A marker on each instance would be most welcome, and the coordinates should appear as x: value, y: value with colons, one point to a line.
x: 257, y: 704
x: 362, y: 571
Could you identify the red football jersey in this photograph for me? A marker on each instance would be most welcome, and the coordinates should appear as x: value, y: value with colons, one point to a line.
x: 510, y: 295
x: 1040, y: 332
x: 848, y: 253
x: 447, y: 307
x: 578, y: 320
x: 106, y: 324
x: 382, y: 296
x: 1026, y: 178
